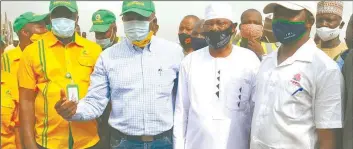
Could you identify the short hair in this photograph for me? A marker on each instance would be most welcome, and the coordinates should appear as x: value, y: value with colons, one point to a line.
x: 248, y: 11
x: 192, y: 17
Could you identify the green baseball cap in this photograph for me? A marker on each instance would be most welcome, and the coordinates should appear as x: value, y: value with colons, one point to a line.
x: 28, y: 17
x: 69, y: 4
x: 102, y: 19
x: 144, y: 8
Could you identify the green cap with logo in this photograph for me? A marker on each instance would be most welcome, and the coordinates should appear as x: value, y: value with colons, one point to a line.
x: 144, y: 8
x: 69, y: 4
x: 102, y: 19
x: 28, y: 17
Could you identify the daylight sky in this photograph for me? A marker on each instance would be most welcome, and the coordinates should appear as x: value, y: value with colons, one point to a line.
x: 169, y: 13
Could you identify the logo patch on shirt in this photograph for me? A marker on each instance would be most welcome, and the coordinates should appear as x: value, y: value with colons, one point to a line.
x: 296, y: 79
x: 8, y: 94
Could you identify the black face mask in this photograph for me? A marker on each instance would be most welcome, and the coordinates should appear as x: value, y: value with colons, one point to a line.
x: 218, y: 39
x: 185, y: 40
x: 349, y: 43
x: 198, y: 43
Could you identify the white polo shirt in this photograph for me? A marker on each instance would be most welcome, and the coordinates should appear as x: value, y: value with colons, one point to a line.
x: 295, y: 98
x: 214, y: 108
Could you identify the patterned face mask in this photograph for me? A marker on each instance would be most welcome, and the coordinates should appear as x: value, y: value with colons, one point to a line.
x: 251, y: 31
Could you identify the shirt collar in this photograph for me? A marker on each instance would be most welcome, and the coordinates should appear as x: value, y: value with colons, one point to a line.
x: 304, y: 53
x: 78, y: 40
x: 148, y: 46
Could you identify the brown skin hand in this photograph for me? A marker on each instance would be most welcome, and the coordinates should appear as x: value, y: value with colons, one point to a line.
x: 220, y: 25
x: 65, y: 108
x: 253, y: 16
x: 287, y: 50
x: 28, y: 30
x: 63, y: 12
x: 331, y: 21
x: 27, y: 118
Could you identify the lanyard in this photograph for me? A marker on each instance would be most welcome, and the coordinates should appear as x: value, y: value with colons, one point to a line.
x: 68, y: 65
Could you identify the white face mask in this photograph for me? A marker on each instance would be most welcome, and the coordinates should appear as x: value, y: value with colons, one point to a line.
x: 105, y: 43
x: 63, y: 27
x: 327, y: 34
x: 136, y: 30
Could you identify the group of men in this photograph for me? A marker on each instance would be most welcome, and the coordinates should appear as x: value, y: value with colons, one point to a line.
x: 60, y: 90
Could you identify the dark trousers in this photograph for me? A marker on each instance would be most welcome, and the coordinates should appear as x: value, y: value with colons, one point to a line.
x: 104, y: 128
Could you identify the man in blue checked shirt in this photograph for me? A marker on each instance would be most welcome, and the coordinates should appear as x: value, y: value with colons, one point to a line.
x: 137, y: 75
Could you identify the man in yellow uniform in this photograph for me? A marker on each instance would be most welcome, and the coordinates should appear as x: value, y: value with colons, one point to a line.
x: 61, y: 59
x: 10, y: 138
x: 251, y: 30
x: 104, y: 27
x: 29, y: 27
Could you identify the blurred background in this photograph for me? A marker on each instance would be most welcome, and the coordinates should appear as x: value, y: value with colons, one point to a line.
x: 169, y: 13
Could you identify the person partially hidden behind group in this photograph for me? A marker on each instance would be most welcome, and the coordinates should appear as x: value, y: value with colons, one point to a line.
x: 328, y: 27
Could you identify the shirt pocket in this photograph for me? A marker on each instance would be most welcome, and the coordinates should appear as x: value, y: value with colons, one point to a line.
x: 86, y: 68
x: 294, y: 103
x: 166, y: 81
x: 7, y: 111
x: 238, y: 95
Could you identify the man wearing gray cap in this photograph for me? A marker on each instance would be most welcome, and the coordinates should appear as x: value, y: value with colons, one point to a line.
x: 298, y: 88
x: 137, y: 76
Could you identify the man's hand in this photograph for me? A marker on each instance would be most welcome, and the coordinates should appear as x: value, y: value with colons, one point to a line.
x: 64, y: 107
x: 256, y: 47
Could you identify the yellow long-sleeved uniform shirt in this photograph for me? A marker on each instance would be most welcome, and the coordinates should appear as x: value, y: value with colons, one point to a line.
x: 9, y: 110
x: 44, y: 67
x: 10, y: 60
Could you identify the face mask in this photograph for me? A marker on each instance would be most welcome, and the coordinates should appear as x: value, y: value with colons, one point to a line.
x: 251, y: 31
x: 287, y: 32
x: 185, y: 40
x: 198, y: 43
x: 63, y: 27
x: 218, y: 39
x: 105, y: 43
x: 136, y: 30
x: 327, y: 34
x: 144, y: 42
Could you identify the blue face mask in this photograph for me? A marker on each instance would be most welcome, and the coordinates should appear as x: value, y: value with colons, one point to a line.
x: 287, y: 32
x: 63, y: 27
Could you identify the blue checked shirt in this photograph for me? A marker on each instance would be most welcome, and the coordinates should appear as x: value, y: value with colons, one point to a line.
x: 139, y: 83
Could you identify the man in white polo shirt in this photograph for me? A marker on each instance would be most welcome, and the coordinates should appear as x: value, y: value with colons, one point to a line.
x: 298, y: 88
x: 214, y: 108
